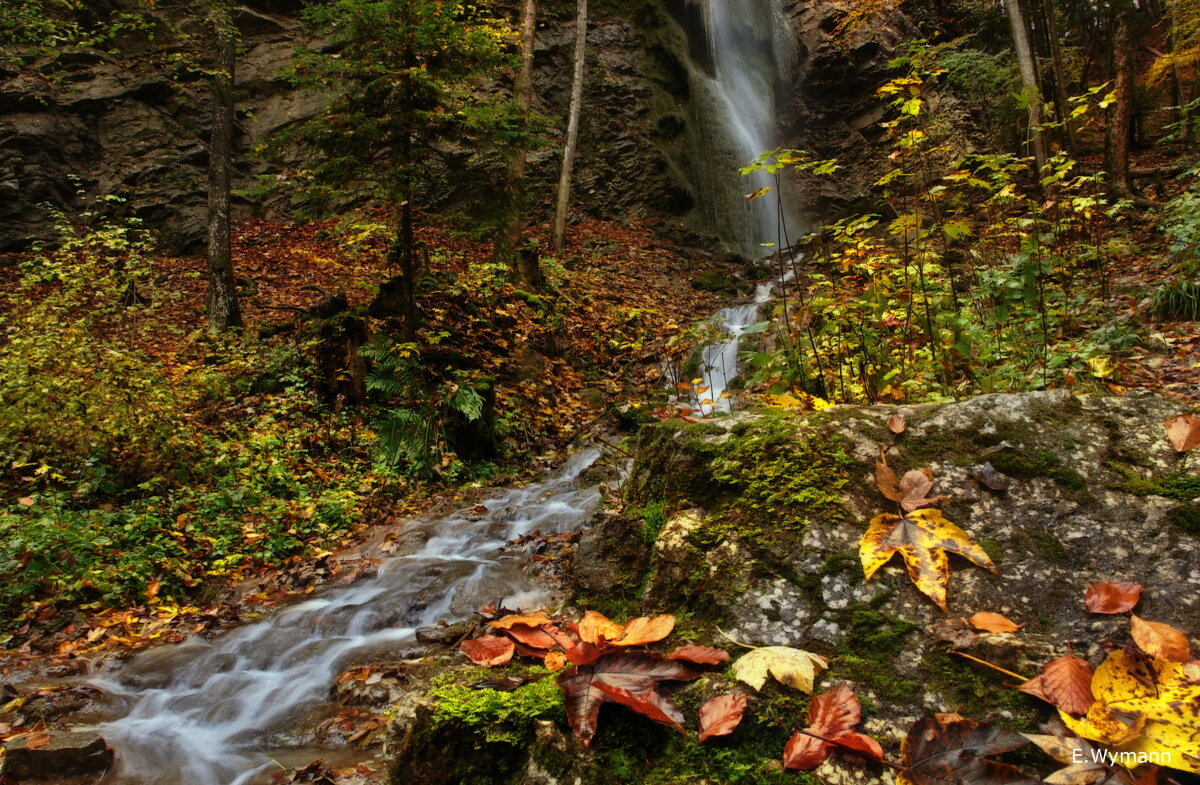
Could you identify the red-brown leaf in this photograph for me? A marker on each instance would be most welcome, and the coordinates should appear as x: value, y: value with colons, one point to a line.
x: 701, y: 655
x: 621, y: 670
x: 804, y: 752
x: 648, y: 703
x: 1112, y: 597
x: 861, y: 744
x: 1160, y: 640
x: 721, y: 715
x: 947, y: 748
x: 1183, y: 432
x: 488, y: 650
x: 1066, y: 683
x: 831, y: 715
x: 533, y: 637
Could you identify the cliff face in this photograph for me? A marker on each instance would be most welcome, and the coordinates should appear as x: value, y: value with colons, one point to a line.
x: 76, y: 125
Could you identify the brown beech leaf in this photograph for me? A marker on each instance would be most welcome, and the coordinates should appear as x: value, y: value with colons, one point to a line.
x: 721, y: 715
x: 648, y: 703
x: 956, y: 632
x: 528, y: 620
x: 862, y: 744
x: 643, y: 630
x: 986, y: 621
x: 533, y: 637
x: 488, y: 650
x: 597, y: 629
x: 923, y: 538
x: 1112, y: 597
x: 1183, y: 432
x: 1160, y: 640
x: 631, y: 672
x: 949, y: 749
x: 830, y: 715
x: 701, y: 655
x: 911, y: 492
x: 1065, y: 683
x: 896, y: 424
x: 36, y: 740
x: 986, y: 475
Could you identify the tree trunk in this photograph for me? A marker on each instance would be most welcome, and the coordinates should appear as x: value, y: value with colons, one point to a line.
x: 509, y: 238
x: 1061, y: 101
x: 223, y: 310
x: 1120, y: 114
x: 564, y: 181
x: 1029, y: 80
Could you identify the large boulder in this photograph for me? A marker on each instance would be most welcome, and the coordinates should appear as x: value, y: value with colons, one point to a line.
x: 63, y: 754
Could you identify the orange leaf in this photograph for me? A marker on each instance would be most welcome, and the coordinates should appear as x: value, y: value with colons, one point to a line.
x: 721, y: 715
x: 831, y: 715
x: 701, y: 655
x: 1112, y: 597
x: 533, y: 637
x: 488, y: 650
x: 985, y: 621
x: 555, y: 661
x: 644, y: 629
x: 1183, y: 432
x: 1160, y: 640
x: 1065, y: 683
x: 598, y: 629
x: 531, y: 620
x: 36, y: 740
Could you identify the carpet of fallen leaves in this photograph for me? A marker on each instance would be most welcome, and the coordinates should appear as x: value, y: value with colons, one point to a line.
x: 617, y: 297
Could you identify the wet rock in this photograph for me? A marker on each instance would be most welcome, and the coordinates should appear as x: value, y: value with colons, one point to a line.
x: 1093, y: 491
x: 444, y: 634
x: 66, y: 754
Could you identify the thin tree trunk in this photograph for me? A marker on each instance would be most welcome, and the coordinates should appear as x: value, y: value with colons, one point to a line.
x: 1120, y: 116
x: 509, y: 238
x: 223, y: 310
x: 1029, y: 79
x: 564, y: 181
x: 1061, y: 101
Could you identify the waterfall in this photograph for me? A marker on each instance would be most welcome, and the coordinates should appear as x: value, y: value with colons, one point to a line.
x: 736, y: 73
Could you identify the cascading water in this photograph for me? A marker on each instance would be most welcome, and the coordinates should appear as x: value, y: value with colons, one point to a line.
x: 211, y: 712
x: 749, y: 47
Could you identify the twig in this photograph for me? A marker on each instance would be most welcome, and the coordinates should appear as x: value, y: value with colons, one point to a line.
x: 736, y: 642
x: 990, y: 665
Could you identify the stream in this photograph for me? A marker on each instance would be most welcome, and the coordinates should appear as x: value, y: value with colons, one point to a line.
x: 217, y: 711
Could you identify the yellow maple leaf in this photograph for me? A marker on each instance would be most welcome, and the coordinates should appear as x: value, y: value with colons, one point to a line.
x: 793, y: 667
x: 923, y: 538
x: 1140, y: 709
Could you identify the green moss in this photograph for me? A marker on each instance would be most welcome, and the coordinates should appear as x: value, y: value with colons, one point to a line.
x: 1180, y: 486
x: 1049, y: 546
x: 868, y: 653
x: 964, y: 685
x: 992, y: 549
x: 499, y: 716
x: 1186, y: 517
x: 1039, y: 464
x: 653, y: 521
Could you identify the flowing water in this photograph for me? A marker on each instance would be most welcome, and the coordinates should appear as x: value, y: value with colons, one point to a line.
x: 212, y: 712
x: 750, y: 49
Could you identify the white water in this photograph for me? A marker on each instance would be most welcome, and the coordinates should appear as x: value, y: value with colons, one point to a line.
x: 210, y: 712
x: 719, y: 360
x: 746, y: 37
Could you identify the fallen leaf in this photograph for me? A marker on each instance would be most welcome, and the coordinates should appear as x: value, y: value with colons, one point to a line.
x: 643, y: 630
x: 923, y: 539
x: 648, y: 703
x: 985, y: 621
x: 911, y: 492
x: 620, y: 670
x: 701, y: 655
x: 986, y: 475
x: 37, y: 740
x: 896, y: 424
x: 1160, y: 640
x: 1086, y: 763
x: 488, y: 650
x: 25, y: 501
x: 1143, y: 707
x: 533, y: 637
x: 1112, y: 597
x: 1191, y: 672
x: 721, y: 715
x: 529, y: 620
x: 1065, y: 683
x: 1183, y: 432
x: 956, y: 632
x: 598, y: 629
x: 949, y: 749
x: 832, y: 716
x: 795, y: 668
x: 555, y: 661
